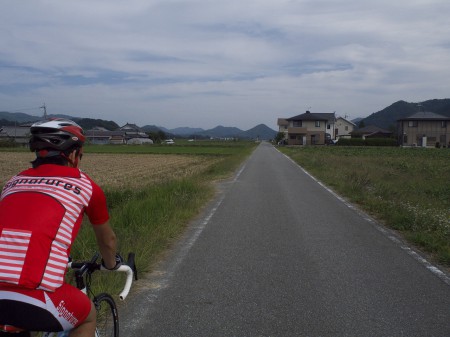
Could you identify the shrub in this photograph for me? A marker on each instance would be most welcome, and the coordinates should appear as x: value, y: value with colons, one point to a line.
x: 408, y: 189
x: 367, y: 142
x: 8, y: 143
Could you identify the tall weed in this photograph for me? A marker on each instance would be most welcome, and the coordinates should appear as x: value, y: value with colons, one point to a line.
x: 408, y: 189
x: 149, y: 218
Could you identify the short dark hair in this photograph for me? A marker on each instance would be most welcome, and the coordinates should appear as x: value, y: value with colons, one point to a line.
x: 61, y: 159
x: 57, y: 160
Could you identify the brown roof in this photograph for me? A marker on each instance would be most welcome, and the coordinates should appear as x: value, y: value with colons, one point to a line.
x: 425, y: 115
x: 371, y: 129
x: 312, y: 116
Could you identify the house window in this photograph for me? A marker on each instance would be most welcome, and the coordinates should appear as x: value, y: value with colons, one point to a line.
x: 293, y: 137
x: 412, y: 124
x: 317, y: 124
x: 328, y: 126
x: 346, y: 128
x: 443, y: 124
x: 297, y: 123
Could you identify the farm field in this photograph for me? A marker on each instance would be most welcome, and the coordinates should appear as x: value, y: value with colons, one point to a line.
x: 152, y: 192
x: 406, y: 188
x: 112, y: 165
x: 118, y: 170
x: 181, y: 147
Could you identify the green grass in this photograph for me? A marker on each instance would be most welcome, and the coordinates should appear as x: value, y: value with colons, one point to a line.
x: 180, y: 147
x: 406, y: 188
x: 148, y: 220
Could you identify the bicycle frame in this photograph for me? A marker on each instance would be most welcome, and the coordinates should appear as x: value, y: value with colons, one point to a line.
x: 83, y: 272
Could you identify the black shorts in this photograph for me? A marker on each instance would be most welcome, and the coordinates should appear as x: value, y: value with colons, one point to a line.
x: 39, y: 310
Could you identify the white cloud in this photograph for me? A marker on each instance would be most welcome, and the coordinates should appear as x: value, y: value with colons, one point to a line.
x: 202, y: 63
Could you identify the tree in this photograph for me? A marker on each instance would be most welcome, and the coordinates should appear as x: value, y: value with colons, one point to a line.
x: 157, y: 136
x: 279, y: 137
x: 89, y: 123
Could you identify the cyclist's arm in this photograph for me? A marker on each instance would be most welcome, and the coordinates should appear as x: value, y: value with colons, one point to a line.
x: 106, y: 240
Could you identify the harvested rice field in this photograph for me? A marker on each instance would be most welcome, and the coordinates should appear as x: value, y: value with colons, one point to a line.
x: 118, y: 170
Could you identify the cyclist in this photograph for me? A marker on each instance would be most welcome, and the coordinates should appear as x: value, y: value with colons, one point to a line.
x: 41, y: 210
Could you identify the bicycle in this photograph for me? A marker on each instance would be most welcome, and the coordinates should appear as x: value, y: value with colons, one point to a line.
x: 107, y: 315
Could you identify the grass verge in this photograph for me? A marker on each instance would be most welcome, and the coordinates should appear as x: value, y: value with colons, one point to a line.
x: 407, y: 189
x: 148, y: 219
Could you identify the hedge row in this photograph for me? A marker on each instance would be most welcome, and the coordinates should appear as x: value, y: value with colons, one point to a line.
x: 367, y: 142
x: 8, y: 143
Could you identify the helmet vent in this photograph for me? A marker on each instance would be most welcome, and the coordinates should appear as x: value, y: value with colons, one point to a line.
x: 58, y: 135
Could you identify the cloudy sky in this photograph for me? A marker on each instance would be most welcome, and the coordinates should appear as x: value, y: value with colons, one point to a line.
x: 203, y: 63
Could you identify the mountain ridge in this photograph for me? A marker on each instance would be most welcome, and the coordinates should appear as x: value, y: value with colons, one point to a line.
x: 261, y: 131
x: 387, y: 117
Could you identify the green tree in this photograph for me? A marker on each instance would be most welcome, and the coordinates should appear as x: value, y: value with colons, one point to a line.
x: 157, y: 136
x: 279, y: 137
x: 89, y: 123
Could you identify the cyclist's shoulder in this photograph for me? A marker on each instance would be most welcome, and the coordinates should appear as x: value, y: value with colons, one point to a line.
x: 88, y: 178
x: 52, y: 170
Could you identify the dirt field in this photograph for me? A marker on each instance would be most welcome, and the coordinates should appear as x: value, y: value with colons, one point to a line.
x: 116, y: 170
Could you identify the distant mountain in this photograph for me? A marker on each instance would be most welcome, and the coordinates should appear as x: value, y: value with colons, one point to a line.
x: 89, y: 123
x: 10, y: 118
x: 260, y: 131
x: 154, y: 128
x: 387, y: 118
x: 357, y: 120
x: 222, y: 132
x: 18, y: 117
x: 186, y: 131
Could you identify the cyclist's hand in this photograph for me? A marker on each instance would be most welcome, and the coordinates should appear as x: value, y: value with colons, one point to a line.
x: 119, y: 261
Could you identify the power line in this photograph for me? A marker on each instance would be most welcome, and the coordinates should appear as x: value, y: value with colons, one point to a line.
x: 24, y: 109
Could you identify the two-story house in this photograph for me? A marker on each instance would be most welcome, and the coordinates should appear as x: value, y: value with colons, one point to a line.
x: 308, y: 128
x: 283, y: 125
x: 425, y: 129
x: 343, y: 128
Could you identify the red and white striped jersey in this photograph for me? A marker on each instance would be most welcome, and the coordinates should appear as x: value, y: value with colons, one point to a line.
x: 41, y: 211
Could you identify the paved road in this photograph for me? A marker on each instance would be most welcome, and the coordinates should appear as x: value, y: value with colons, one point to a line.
x: 277, y: 254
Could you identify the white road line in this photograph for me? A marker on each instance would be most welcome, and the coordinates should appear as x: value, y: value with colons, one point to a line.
x: 387, y: 232
x: 161, y: 277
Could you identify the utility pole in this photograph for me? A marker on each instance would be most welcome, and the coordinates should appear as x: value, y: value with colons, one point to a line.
x: 45, y: 111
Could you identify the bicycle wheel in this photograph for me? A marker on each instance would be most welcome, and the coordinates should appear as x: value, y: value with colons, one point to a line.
x: 107, y: 317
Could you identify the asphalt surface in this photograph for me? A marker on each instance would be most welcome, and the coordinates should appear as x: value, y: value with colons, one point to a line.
x: 278, y: 254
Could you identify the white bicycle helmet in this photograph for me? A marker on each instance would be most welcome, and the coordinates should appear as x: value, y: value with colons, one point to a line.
x: 57, y: 134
